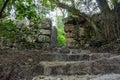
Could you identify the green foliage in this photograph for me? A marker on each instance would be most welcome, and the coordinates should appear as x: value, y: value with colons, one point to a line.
x: 19, y: 32
x: 61, y: 37
x: 61, y: 40
x: 1, y: 3
x: 7, y: 29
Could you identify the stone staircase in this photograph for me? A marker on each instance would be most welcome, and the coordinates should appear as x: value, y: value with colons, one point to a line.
x: 77, y: 62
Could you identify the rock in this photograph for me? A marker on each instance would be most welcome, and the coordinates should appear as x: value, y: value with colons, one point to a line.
x: 70, y: 42
x: 70, y: 35
x: 69, y: 28
x: 46, y: 24
x: 85, y: 51
x: 45, y: 32
x: 43, y: 38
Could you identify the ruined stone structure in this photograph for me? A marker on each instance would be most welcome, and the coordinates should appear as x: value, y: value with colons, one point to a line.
x: 48, y: 33
x: 75, y: 31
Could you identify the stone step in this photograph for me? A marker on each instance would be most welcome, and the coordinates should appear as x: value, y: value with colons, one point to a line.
x: 72, y: 57
x: 63, y: 77
x: 79, y: 77
x: 101, y: 66
x: 66, y: 68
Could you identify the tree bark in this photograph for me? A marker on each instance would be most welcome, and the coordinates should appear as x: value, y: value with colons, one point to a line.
x: 3, y: 7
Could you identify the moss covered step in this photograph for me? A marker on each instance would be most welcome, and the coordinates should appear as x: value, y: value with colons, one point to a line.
x: 72, y: 57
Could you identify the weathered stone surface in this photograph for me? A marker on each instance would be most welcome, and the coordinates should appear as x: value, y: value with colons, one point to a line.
x: 107, y: 77
x: 45, y: 45
x: 62, y: 56
x: 54, y: 36
x: 38, y: 69
x: 81, y: 31
x: 43, y: 38
x: 94, y: 56
x: 106, y: 65
x: 59, y: 70
x: 80, y: 68
x: 64, y: 50
x: 69, y: 27
x: 68, y: 68
x: 46, y: 24
x: 48, y: 57
x: 76, y: 31
x: 64, y: 77
x: 70, y: 35
x: 45, y: 32
x: 70, y: 42
x: 100, y: 66
x: 86, y: 51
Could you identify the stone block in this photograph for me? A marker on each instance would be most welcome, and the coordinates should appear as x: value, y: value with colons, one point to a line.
x: 45, y: 32
x: 81, y: 31
x: 45, y: 26
x: 43, y: 38
x: 94, y: 56
x: 70, y: 35
x: 106, y: 65
x: 48, y: 57
x: 80, y: 68
x: 64, y: 50
x: 69, y: 27
x: 70, y: 42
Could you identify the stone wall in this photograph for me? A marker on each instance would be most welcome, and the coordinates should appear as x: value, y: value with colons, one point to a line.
x: 47, y: 35
x: 75, y: 31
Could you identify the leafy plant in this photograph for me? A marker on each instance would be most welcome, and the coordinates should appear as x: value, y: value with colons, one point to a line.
x: 61, y: 40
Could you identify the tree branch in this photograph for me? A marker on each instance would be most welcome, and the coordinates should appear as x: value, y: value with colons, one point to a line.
x: 103, y: 5
x: 72, y: 10
x: 3, y: 7
x: 78, y: 13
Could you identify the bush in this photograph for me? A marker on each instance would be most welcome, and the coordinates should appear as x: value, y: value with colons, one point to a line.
x: 61, y: 40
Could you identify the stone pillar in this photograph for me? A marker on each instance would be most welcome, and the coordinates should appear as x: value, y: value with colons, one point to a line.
x: 54, y: 36
x: 48, y: 34
x: 45, y: 32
